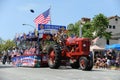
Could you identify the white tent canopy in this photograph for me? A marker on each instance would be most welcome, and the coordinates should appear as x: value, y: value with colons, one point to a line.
x: 94, y: 48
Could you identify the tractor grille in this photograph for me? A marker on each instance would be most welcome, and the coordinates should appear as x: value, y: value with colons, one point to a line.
x: 85, y: 45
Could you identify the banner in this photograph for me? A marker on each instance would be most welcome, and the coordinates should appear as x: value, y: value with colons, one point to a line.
x: 26, y: 60
x: 50, y: 29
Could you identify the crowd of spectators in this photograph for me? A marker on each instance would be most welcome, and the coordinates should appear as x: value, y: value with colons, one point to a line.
x: 109, y: 59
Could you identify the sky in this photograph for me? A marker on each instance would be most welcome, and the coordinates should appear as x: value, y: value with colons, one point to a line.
x: 14, y: 13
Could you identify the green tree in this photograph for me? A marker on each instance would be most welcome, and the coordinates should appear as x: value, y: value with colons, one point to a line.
x: 97, y: 27
x: 70, y: 29
x: 1, y: 45
x: 73, y: 29
x: 100, y: 23
x: 87, y: 30
x: 6, y: 45
x: 9, y: 44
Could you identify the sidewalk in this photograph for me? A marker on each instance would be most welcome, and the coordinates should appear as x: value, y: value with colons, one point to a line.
x: 111, y: 68
x: 115, y: 68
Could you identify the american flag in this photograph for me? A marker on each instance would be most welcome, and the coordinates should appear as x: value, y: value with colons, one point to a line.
x: 43, y: 18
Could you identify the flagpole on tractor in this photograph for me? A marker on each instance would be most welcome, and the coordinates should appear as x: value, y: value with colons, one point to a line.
x: 50, y: 16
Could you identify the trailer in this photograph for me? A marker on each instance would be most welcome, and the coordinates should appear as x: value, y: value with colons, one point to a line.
x: 27, y: 52
x: 31, y: 49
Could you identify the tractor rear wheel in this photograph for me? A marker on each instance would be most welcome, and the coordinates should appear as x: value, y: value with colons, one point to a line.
x: 83, y: 62
x: 54, y: 56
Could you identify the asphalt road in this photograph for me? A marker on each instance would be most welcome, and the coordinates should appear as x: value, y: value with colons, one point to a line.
x: 8, y: 72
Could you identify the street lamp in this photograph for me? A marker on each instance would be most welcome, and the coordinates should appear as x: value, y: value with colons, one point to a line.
x: 29, y: 25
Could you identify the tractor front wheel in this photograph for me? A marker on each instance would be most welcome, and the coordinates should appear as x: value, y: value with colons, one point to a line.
x: 83, y: 62
x: 90, y: 65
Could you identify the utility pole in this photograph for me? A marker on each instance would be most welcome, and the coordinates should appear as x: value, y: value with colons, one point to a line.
x: 80, y: 30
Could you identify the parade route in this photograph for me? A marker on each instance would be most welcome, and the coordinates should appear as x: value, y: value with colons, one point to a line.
x: 8, y: 72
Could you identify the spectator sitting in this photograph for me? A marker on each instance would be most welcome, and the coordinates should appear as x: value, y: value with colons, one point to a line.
x: 117, y: 62
x: 108, y: 63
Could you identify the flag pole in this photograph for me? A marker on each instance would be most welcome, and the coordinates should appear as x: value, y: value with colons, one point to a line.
x: 50, y: 16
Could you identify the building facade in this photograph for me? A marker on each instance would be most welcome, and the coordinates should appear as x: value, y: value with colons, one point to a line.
x: 114, y: 28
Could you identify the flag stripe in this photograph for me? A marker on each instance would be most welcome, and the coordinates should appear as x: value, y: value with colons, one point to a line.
x: 43, y: 18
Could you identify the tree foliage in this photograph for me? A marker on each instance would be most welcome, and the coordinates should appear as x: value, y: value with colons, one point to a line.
x: 88, y: 30
x: 97, y: 27
x: 100, y: 23
x: 73, y: 29
x: 6, y: 45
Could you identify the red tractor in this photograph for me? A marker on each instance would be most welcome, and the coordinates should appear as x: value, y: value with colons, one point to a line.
x: 75, y: 50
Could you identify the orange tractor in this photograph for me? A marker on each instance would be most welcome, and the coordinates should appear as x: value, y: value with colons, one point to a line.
x: 75, y: 50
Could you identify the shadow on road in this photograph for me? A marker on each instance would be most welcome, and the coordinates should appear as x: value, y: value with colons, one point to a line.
x: 68, y: 68
x: 64, y: 68
x: 6, y: 67
x: 96, y: 70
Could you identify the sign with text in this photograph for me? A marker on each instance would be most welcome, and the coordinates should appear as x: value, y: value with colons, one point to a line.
x: 50, y: 29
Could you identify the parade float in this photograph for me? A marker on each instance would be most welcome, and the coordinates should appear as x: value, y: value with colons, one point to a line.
x: 31, y: 48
